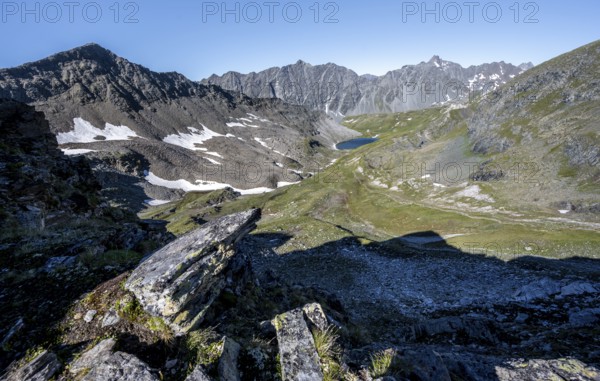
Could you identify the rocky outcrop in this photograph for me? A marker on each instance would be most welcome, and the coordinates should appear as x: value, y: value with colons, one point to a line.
x: 297, y: 352
x: 42, y: 368
x: 59, y: 234
x: 38, y: 182
x: 180, y: 281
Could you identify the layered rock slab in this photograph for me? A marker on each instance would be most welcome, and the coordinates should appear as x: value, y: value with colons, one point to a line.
x: 297, y: 351
x: 180, y: 281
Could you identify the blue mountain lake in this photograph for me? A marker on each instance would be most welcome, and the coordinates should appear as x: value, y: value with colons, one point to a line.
x: 355, y: 143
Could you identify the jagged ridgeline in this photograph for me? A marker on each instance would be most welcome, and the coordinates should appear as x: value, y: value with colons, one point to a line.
x: 340, y: 92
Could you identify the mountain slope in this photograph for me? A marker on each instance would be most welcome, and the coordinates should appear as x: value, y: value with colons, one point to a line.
x: 339, y: 91
x: 507, y: 174
x: 181, y: 130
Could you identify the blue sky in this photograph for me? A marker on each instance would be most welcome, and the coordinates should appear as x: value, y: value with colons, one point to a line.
x: 198, y: 38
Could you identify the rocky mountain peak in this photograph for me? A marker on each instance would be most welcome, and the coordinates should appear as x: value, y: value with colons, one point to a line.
x: 526, y: 66
x: 302, y: 63
x: 87, y: 52
x: 435, y: 60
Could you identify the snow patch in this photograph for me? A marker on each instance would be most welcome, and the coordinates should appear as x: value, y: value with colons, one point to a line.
x: 379, y: 184
x: 212, y: 161
x: 206, y: 186
x: 72, y: 152
x: 156, y: 202
x: 190, y: 141
x: 474, y: 192
x: 234, y: 124
x: 264, y: 144
x: 85, y: 132
x: 281, y: 184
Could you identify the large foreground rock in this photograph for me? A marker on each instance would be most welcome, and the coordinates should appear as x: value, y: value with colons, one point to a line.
x: 180, y: 281
x: 297, y: 351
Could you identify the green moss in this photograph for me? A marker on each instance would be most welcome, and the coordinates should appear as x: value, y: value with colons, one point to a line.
x: 129, y: 308
x: 204, y: 347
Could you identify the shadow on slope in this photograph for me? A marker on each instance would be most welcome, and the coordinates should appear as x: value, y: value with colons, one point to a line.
x: 436, y: 305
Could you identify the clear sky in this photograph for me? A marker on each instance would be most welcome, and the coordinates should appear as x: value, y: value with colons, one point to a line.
x: 199, y: 38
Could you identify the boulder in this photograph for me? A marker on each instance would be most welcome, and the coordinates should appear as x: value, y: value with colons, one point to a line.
x: 101, y: 352
x: 577, y: 288
x: 588, y: 316
x: 180, y: 281
x: 110, y: 318
x: 198, y: 375
x: 315, y: 314
x: 539, y: 289
x: 297, y: 351
x: 102, y: 364
x: 120, y: 366
x: 228, y: 363
x: 41, y: 368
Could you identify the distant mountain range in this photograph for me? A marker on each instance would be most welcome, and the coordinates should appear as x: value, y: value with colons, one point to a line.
x: 340, y: 92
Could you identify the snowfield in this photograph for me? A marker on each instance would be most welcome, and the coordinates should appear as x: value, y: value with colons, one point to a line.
x: 85, y: 132
x: 204, y: 186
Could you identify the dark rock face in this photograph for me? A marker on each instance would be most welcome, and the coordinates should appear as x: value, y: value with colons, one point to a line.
x: 180, y: 281
x: 58, y: 234
x: 341, y: 92
x: 38, y: 180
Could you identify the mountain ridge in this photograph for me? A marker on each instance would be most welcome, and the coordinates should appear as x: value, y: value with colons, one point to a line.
x: 340, y: 91
x: 181, y: 128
